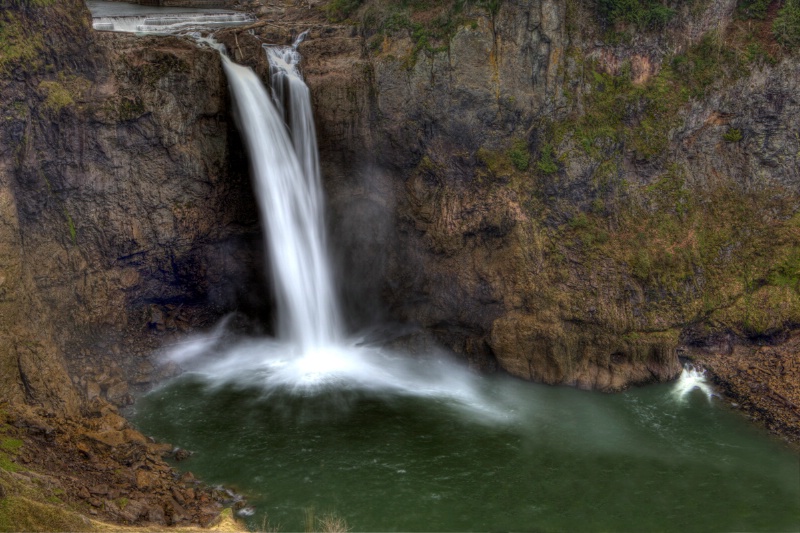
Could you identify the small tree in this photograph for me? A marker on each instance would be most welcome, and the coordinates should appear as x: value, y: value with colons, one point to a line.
x: 786, y: 27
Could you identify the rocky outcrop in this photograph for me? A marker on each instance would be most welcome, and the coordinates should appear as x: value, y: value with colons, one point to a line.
x: 87, y: 473
x: 543, y: 199
x: 762, y: 381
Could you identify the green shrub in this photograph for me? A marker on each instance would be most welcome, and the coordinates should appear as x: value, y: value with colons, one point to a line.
x: 753, y: 9
x: 519, y: 155
x: 645, y: 14
x: 339, y: 10
x: 546, y: 163
x: 57, y: 96
x: 733, y: 135
x: 786, y: 27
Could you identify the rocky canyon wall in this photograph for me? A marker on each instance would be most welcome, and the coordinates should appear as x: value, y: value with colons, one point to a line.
x: 569, y: 198
x: 125, y: 199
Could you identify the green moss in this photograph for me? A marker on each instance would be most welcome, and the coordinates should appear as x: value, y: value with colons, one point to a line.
x: 18, y: 45
x: 8, y: 465
x: 429, y: 35
x: 644, y: 14
x: 786, y: 270
x: 57, y: 97
x: 340, y: 10
x: 10, y: 445
x: 619, y: 114
x: 22, y: 514
x: 130, y: 108
x: 752, y: 9
x: 497, y: 162
x: 786, y: 27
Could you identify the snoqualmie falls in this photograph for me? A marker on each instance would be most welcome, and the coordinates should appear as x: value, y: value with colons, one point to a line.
x: 417, y: 266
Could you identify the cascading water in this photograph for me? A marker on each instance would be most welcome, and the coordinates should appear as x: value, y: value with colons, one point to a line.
x: 290, y: 195
x: 293, y: 99
x: 692, y: 379
x: 373, y: 434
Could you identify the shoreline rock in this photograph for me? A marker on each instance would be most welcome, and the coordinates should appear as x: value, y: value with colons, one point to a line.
x: 761, y: 381
x: 100, y: 467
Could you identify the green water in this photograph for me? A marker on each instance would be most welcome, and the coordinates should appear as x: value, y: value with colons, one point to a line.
x: 526, y: 457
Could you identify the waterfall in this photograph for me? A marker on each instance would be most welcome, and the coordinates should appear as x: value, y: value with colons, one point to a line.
x: 293, y: 99
x: 311, y: 352
x: 289, y: 193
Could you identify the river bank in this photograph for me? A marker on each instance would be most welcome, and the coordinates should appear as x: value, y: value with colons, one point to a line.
x: 74, y: 474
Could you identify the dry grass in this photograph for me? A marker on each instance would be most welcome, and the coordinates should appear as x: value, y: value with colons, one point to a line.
x: 330, y: 522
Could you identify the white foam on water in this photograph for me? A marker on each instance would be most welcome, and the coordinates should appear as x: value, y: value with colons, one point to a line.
x: 269, y: 366
x: 692, y: 379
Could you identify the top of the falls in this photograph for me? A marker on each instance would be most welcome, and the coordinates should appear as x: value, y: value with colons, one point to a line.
x: 123, y: 17
x: 170, y: 23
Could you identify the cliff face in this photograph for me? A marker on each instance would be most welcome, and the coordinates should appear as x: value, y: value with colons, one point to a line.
x: 569, y: 202
x: 126, y: 205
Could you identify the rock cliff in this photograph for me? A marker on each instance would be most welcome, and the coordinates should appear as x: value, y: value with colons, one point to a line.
x: 126, y: 201
x: 567, y: 195
x: 127, y: 218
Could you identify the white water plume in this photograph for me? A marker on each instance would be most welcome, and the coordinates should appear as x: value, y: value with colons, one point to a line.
x: 293, y: 99
x: 691, y: 379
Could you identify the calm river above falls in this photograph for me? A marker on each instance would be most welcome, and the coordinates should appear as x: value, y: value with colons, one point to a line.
x: 515, y: 456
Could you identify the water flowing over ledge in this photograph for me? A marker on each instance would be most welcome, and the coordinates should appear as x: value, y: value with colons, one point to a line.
x: 171, y: 23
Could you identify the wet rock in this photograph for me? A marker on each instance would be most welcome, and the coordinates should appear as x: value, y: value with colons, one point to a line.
x: 99, y: 490
x: 763, y: 381
x: 132, y: 510
x: 176, y: 493
x: 180, y: 454
x: 161, y: 449
x: 117, y: 393
x: 112, y: 421
x: 175, y: 513
x: 84, y: 449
